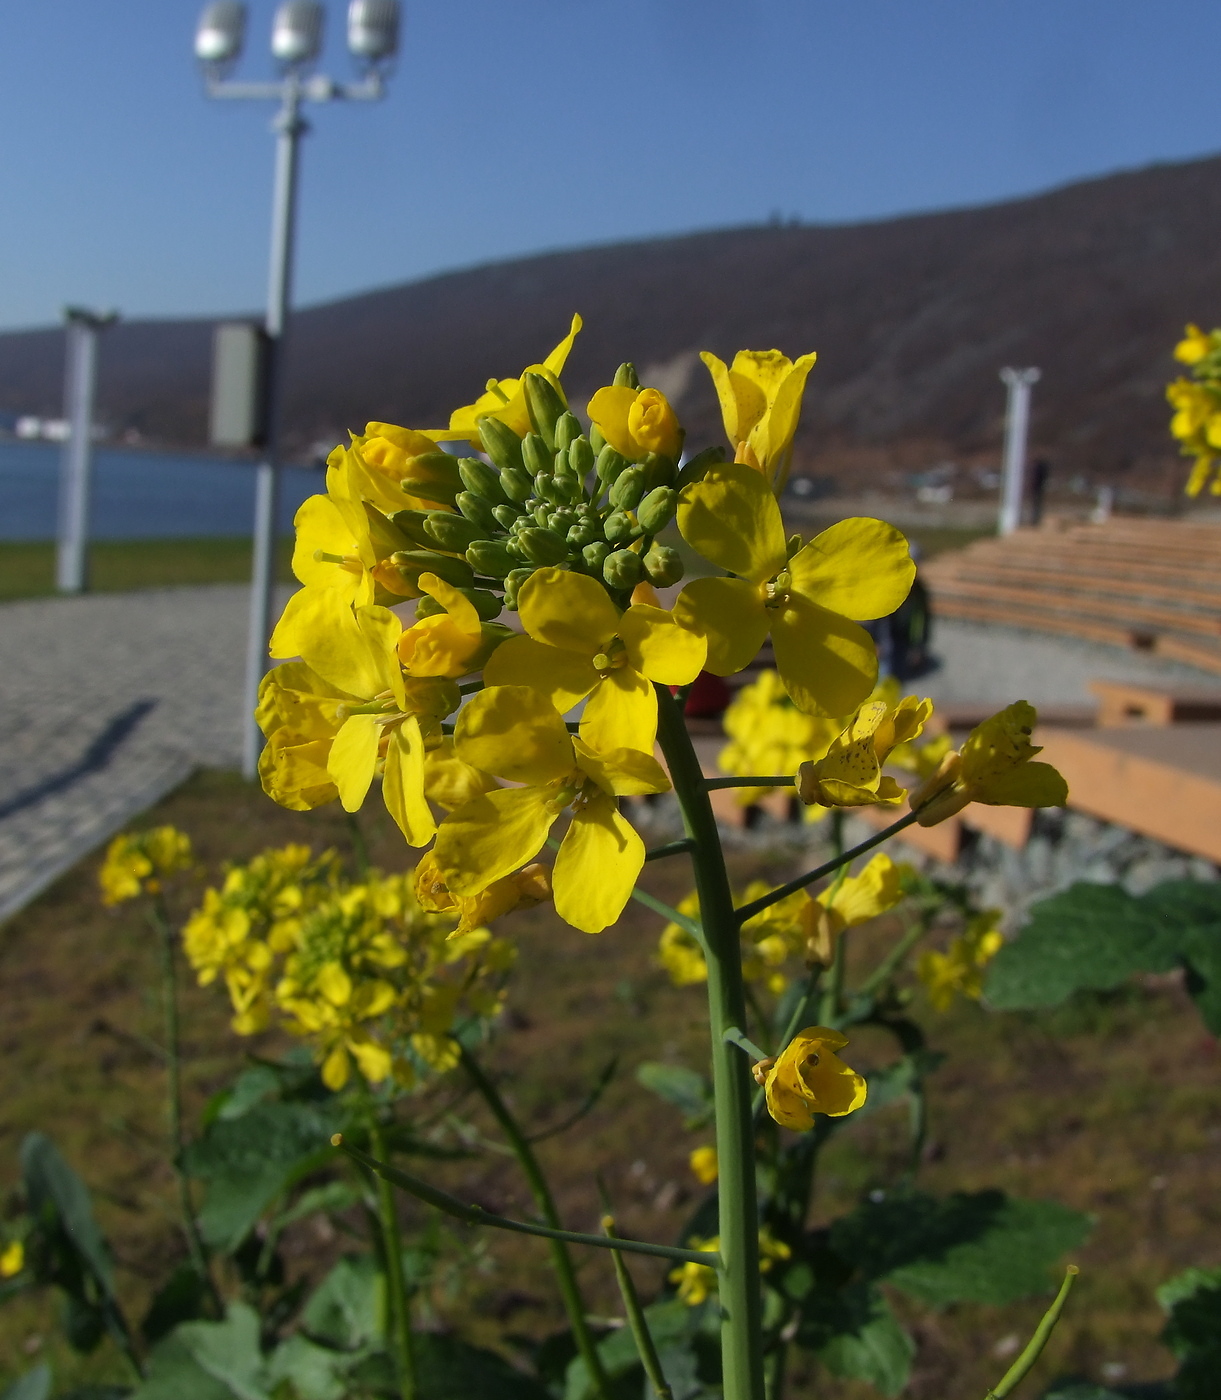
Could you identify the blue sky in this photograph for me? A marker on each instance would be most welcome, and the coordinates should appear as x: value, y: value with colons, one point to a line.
x: 519, y: 125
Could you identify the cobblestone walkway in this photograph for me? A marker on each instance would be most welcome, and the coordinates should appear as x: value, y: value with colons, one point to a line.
x: 107, y: 702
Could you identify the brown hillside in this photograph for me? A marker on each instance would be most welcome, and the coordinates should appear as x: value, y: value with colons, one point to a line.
x: 911, y: 317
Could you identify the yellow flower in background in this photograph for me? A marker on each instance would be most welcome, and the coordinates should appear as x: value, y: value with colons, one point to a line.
x: 516, y: 733
x: 578, y: 644
x: 769, y: 734
x: 636, y: 422
x: 678, y: 952
x: 453, y: 643
x: 760, y: 396
x: 854, y: 900
x: 850, y: 773
x: 522, y: 890
x: 12, y: 1259
x: 704, y: 1165
x: 960, y: 970
x: 807, y: 1077
x: 696, y: 1281
x: 505, y: 399
x: 768, y: 940
x: 994, y: 768
x: 857, y: 570
x: 136, y: 862
x: 1196, y: 344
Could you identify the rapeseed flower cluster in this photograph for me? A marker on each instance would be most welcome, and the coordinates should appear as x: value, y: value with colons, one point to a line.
x: 1196, y: 421
x: 137, y: 863
x: 695, y: 1283
x: 365, y: 973
x: 959, y: 971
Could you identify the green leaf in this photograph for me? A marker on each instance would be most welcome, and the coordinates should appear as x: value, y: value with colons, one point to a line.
x: 1190, y: 911
x: 182, y: 1298
x: 247, y: 1162
x: 680, y: 1086
x: 52, y: 1187
x: 983, y: 1247
x: 1193, y: 1332
x: 348, y: 1308
x: 1093, y: 936
x: 857, y: 1337
x: 449, y: 1369
x: 208, y: 1361
x: 34, y: 1385
x: 315, y: 1372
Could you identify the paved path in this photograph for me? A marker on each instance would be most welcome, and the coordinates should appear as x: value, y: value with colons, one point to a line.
x: 107, y: 702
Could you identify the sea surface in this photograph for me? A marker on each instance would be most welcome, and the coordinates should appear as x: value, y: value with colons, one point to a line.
x: 141, y: 495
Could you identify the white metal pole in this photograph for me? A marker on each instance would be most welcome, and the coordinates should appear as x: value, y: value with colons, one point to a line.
x: 290, y: 126
x: 71, y: 572
x: 1017, y: 426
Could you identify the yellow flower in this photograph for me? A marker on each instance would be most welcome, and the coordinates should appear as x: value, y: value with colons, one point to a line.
x: 760, y: 396
x: 855, y: 900
x: 375, y: 467
x: 523, y: 889
x: 677, y: 950
x: 636, y: 422
x: 768, y: 939
x: 703, y: 1163
x: 696, y: 1281
x: 12, y: 1259
x: 453, y: 643
x: 517, y: 734
x: 858, y: 569
x: 850, y: 774
x: 578, y: 644
x: 1194, y: 406
x: 135, y: 862
x: 506, y: 398
x: 994, y: 768
x: 808, y: 1078
x: 1195, y: 345
x: 960, y: 970
x: 769, y: 734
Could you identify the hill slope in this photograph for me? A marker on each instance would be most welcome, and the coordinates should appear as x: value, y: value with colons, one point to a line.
x: 911, y: 317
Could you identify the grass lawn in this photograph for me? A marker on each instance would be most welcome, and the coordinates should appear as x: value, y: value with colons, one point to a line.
x: 27, y: 570
x: 1109, y: 1105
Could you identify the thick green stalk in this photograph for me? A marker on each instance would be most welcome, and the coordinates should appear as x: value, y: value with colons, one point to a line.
x: 740, y: 1295
x: 396, y: 1284
x: 561, y: 1261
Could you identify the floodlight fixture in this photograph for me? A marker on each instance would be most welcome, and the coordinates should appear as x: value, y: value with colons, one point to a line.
x: 373, y: 30
x: 296, y: 32
x: 220, y: 34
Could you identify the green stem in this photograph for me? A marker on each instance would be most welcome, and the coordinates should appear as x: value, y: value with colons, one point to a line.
x: 636, y: 1319
x: 173, y: 1073
x: 396, y: 1284
x: 757, y: 906
x: 561, y: 1261
x: 1042, y: 1333
x: 891, y: 962
x: 672, y: 848
x: 659, y: 906
x: 773, y: 780
x: 740, y: 1294
x: 476, y: 1215
x: 833, y: 989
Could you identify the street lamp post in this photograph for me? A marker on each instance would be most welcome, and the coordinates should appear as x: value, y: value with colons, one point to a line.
x: 1017, y: 426
x: 80, y: 378
x: 296, y: 42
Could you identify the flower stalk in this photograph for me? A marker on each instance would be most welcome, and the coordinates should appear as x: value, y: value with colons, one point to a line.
x: 396, y: 1284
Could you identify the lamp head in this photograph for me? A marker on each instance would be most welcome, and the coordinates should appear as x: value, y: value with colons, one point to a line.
x: 220, y: 34
x: 373, y: 30
x: 296, y: 33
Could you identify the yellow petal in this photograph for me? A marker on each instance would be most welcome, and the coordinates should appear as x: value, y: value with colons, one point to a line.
x: 353, y: 759
x: 624, y: 772
x: 621, y: 713
x: 321, y: 528
x: 460, y: 608
x: 608, y: 410
x: 563, y: 676
x: 862, y: 897
x: 729, y: 613
x: 353, y: 650
x: 732, y: 518
x: 336, y: 1069
x: 860, y: 568
x: 403, y: 784
x: 335, y: 984
x: 828, y: 664
x: 449, y: 782
x: 660, y: 647
x: 1027, y: 785
x: 558, y: 358
x: 597, y: 866
x: 491, y: 836
x: 437, y: 646
x: 375, y: 1060
x: 516, y: 733
x: 742, y: 402
x: 567, y: 610
x: 775, y: 434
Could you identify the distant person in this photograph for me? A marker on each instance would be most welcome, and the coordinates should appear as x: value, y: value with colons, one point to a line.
x: 1038, y: 489
x: 908, y: 632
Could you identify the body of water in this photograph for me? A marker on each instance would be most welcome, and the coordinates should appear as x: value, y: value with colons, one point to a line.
x: 141, y: 495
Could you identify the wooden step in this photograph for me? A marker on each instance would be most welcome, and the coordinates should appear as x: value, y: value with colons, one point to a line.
x: 1074, y: 581
x: 1043, y: 600
x: 977, y: 610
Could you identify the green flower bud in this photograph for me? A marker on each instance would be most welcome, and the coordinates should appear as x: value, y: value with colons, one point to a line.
x: 544, y: 546
x: 567, y: 430
x: 536, y: 455
x: 582, y: 533
x: 659, y: 471
x: 428, y: 607
x: 411, y: 523
x: 545, y: 407
x: 516, y: 484
x: 698, y: 465
x: 546, y: 486
x: 433, y: 476
x: 411, y: 563
x: 477, y: 510
x: 580, y: 457
x: 663, y: 566
x: 625, y: 376
x: 657, y: 509
x: 622, y: 569
x: 481, y: 480
x: 610, y: 465
x: 541, y: 512
x: 628, y: 489
x: 618, y: 527
x: 595, y: 555
x: 491, y: 558
x: 486, y: 604
x: 561, y: 518
x: 596, y: 441
x: 506, y: 515
x: 452, y: 533
x: 501, y: 444
x: 512, y: 584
